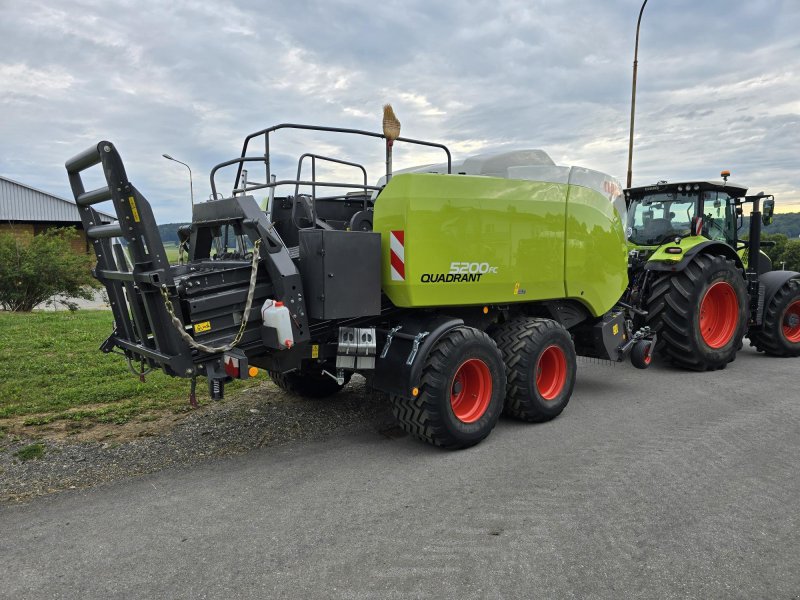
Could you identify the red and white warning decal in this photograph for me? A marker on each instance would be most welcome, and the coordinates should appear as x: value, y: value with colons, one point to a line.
x: 397, y: 257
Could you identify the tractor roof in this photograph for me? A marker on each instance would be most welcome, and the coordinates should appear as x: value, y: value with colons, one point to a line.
x: 733, y: 189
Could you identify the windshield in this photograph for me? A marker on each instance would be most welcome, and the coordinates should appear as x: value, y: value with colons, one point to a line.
x: 656, y: 218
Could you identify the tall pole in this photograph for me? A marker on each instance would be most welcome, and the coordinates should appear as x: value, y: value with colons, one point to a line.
x: 633, y: 96
x: 191, y: 185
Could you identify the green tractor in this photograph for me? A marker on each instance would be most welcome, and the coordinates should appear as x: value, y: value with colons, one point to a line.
x: 698, y: 284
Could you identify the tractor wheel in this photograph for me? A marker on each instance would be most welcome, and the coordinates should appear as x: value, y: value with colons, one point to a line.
x: 460, y: 394
x: 779, y: 334
x: 308, y: 384
x: 700, y: 313
x: 540, y: 364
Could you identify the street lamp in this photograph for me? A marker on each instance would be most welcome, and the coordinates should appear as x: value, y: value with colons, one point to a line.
x: 633, y: 95
x: 191, y: 185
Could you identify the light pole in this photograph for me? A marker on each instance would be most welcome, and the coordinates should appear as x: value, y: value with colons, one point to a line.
x: 191, y: 185
x: 633, y: 95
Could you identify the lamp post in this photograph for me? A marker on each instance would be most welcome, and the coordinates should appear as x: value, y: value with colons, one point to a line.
x: 633, y: 95
x: 191, y: 185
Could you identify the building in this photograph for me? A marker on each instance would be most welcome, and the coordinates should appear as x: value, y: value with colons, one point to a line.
x: 26, y: 211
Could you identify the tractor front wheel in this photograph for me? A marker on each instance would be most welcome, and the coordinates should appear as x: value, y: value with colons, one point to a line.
x: 461, y: 391
x: 779, y: 334
x: 540, y: 364
x: 701, y: 313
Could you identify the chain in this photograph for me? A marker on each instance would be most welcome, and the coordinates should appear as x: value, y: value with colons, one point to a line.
x: 176, y: 322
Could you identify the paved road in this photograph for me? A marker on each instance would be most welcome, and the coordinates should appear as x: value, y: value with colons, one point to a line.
x: 657, y: 485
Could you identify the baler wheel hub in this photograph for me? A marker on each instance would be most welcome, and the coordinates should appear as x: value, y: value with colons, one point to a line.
x: 471, y: 390
x: 551, y: 372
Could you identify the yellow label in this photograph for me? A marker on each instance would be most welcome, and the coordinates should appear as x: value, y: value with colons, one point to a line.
x: 615, y: 329
x: 134, y: 210
x: 202, y: 327
x: 314, y: 350
x: 516, y: 288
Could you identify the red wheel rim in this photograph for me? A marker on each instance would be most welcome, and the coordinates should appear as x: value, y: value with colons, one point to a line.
x: 719, y: 314
x: 551, y: 372
x: 471, y: 390
x: 791, y: 323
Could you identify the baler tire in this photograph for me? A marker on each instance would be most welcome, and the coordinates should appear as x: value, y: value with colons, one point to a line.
x: 775, y: 337
x: 308, y: 384
x: 529, y: 345
x: 677, y: 321
x: 463, y: 373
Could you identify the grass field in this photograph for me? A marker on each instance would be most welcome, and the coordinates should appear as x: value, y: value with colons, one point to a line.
x: 51, y: 370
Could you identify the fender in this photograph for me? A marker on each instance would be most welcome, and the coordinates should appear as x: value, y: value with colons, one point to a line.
x: 708, y: 247
x: 397, y: 367
x: 773, y: 281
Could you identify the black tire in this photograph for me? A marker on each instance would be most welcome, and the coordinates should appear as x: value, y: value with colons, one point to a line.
x: 308, y: 383
x: 641, y: 355
x: 776, y: 336
x: 674, y: 313
x: 431, y: 416
x: 529, y: 345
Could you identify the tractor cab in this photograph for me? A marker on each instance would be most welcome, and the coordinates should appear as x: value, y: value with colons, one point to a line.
x: 657, y: 214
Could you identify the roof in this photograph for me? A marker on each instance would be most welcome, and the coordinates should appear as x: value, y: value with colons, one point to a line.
x: 20, y: 202
x: 733, y: 189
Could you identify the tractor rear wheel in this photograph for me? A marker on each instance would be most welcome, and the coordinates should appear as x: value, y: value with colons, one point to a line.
x: 460, y: 394
x: 540, y: 364
x: 700, y: 313
x: 310, y: 383
x: 779, y: 334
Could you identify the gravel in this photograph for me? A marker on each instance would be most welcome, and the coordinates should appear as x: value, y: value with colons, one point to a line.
x: 256, y: 417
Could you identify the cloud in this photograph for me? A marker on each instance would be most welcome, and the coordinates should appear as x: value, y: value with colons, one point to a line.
x: 718, y: 85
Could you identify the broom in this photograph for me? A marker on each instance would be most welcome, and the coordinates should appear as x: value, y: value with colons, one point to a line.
x: 391, y: 131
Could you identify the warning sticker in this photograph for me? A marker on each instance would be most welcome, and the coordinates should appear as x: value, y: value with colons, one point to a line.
x: 202, y: 327
x: 134, y: 210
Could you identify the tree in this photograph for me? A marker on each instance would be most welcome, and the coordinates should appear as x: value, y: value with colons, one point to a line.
x: 36, y: 269
x: 775, y: 252
x: 791, y: 256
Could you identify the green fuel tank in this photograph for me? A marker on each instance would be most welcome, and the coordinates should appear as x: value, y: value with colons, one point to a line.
x: 508, y: 228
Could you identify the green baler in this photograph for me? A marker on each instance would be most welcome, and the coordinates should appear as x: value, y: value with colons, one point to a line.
x: 460, y: 290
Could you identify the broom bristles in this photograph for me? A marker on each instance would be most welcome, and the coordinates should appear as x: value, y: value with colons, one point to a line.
x: 391, y: 124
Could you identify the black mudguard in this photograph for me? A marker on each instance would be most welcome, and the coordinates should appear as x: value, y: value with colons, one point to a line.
x: 398, y: 368
x: 773, y: 281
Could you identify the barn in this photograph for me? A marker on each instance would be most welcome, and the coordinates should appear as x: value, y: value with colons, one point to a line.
x: 26, y: 211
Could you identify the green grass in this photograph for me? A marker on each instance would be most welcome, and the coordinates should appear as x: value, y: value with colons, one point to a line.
x: 172, y: 252
x: 30, y: 452
x: 51, y: 369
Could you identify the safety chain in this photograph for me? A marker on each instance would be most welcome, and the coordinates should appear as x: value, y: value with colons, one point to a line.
x: 248, y: 305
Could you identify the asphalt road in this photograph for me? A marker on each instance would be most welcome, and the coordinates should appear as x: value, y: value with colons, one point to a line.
x: 658, y: 484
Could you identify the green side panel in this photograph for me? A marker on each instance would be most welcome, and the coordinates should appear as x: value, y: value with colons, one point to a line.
x: 484, y: 240
x: 596, y: 250
x: 472, y: 240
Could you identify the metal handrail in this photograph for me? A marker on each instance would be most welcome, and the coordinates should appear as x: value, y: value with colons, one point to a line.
x: 268, y: 130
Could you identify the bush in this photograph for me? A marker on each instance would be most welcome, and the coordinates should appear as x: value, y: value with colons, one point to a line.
x: 36, y: 269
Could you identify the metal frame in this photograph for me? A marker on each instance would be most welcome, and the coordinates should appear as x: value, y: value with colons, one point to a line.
x: 266, y: 158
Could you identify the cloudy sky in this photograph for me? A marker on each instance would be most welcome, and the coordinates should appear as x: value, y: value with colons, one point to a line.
x: 718, y: 84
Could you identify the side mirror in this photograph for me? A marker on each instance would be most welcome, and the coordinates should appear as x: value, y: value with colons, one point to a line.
x: 767, y: 211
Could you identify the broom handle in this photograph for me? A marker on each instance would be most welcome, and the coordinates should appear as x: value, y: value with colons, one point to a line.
x: 389, y: 144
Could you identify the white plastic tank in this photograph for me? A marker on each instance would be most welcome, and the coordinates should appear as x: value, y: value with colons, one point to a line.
x: 276, y: 315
